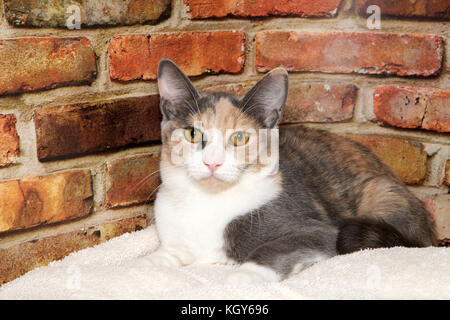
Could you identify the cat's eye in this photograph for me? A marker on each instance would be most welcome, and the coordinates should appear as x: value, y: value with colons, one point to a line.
x: 193, y: 135
x: 239, y: 138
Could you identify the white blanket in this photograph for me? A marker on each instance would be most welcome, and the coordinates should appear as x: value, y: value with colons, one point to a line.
x: 118, y: 269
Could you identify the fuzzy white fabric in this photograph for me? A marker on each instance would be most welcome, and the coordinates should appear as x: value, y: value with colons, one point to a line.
x: 118, y: 269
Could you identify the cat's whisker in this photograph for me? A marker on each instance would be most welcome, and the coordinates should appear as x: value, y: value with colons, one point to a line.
x: 151, y: 194
x: 143, y: 180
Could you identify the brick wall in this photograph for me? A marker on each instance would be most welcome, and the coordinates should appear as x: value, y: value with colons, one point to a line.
x: 79, y: 116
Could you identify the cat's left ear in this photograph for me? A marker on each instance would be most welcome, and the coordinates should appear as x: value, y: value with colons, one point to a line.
x: 177, y: 93
x: 265, y: 101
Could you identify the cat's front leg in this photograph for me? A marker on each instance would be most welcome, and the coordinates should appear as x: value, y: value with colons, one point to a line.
x: 278, y: 259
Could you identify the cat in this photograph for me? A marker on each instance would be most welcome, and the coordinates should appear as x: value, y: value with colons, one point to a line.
x: 318, y: 196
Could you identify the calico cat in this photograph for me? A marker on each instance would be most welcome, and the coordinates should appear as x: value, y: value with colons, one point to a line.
x: 316, y: 196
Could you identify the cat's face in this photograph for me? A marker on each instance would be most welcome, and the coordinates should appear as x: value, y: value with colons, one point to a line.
x: 216, y: 138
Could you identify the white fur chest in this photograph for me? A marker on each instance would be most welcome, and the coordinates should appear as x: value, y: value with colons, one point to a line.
x: 191, y: 222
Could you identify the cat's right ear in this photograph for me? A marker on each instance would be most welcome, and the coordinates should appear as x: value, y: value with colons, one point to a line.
x: 266, y: 100
x: 177, y: 94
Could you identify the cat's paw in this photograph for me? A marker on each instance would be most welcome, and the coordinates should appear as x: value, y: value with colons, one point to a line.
x: 162, y: 259
x: 251, y: 273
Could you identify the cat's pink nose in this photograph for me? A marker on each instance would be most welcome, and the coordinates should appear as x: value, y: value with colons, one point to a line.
x: 212, y: 166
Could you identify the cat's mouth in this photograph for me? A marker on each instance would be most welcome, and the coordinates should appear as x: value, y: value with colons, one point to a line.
x: 214, y: 177
x: 215, y: 182
x: 201, y: 174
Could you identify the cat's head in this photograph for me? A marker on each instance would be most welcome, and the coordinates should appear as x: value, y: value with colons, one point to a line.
x: 215, y: 138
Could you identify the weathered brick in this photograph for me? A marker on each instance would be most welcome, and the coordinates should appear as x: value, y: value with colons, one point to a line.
x: 48, y: 199
x: 19, y: 259
x: 407, y: 159
x: 37, y: 13
x: 407, y: 8
x: 447, y: 173
x: 135, y: 57
x: 439, y: 207
x: 30, y: 64
x: 66, y: 131
x: 200, y: 9
x: 437, y: 112
x: 132, y: 180
x: 339, y: 52
x: 308, y: 102
x: 129, y: 58
x: 320, y: 103
x: 407, y: 107
x: 9, y: 140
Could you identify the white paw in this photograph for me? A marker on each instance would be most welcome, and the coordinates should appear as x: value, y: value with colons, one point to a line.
x: 162, y: 259
x: 251, y: 273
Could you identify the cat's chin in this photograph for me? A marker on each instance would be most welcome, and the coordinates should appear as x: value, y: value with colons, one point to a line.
x: 214, y: 184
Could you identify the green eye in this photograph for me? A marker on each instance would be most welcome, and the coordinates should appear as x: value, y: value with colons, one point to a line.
x: 239, y: 138
x: 193, y: 135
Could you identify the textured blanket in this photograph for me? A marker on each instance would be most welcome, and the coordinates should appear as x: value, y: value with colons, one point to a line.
x: 118, y: 269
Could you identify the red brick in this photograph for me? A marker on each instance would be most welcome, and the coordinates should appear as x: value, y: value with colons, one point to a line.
x: 33, y: 201
x: 67, y: 131
x: 129, y: 58
x: 132, y: 180
x: 407, y: 107
x: 135, y: 57
x: 199, y: 9
x: 9, y: 146
x: 338, y: 52
x: 437, y: 112
x: 308, y: 102
x: 406, y: 8
x: 21, y: 258
x: 30, y: 64
x: 320, y: 103
x: 407, y: 159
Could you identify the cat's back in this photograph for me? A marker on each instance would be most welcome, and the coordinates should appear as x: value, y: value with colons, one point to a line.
x: 328, y: 172
x: 326, y: 152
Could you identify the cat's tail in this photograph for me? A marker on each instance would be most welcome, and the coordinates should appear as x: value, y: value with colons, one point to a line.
x: 363, y: 233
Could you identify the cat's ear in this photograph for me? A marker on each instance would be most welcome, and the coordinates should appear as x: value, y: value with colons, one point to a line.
x: 265, y: 101
x: 177, y: 94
